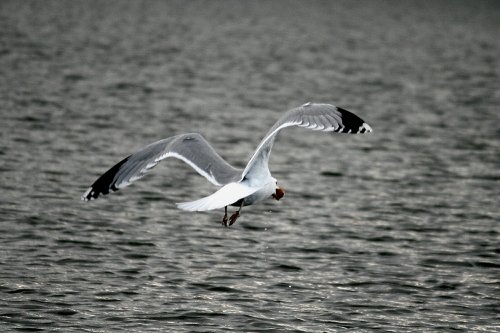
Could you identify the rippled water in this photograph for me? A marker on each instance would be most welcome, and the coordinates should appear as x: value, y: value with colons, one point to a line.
x: 394, y: 231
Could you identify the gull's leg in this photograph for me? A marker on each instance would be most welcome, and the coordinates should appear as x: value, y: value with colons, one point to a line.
x: 236, y: 214
x: 224, y: 219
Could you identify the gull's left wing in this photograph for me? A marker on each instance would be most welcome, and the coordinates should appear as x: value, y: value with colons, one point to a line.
x: 191, y: 148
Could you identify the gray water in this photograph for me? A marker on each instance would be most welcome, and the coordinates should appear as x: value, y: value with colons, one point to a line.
x: 395, y: 231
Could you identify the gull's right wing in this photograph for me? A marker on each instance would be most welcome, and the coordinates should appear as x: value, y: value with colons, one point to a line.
x: 319, y: 117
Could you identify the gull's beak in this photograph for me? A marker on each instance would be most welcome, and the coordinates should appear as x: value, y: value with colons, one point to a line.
x: 279, y: 193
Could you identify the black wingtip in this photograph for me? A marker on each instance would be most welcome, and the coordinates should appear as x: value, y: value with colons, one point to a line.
x: 352, y: 123
x: 93, y: 192
x: 104, y: 184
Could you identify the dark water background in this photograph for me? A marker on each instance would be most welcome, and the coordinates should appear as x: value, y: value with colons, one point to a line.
x: 396, y: 231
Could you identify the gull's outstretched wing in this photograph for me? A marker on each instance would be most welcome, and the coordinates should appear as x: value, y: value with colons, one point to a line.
x: 225, y: 196
x: 191, y: 148
x: 321, y: 117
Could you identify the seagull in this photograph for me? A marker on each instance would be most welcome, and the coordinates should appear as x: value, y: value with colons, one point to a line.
x: 237, y: 187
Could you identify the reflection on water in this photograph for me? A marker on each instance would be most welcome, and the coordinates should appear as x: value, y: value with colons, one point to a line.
x: 394, y: 231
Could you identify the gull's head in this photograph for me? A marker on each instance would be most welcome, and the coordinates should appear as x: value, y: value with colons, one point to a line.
x: 278, y: 193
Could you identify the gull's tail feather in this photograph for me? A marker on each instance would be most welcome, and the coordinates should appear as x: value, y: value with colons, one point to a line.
x: 225, y: 196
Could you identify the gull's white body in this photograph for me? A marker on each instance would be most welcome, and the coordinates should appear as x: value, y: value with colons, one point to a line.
x: 246, y: 187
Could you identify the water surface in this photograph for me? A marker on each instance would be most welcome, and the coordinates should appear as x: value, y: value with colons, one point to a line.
x: 395, y: 231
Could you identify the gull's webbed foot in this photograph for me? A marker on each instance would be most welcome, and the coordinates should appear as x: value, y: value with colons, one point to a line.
x: 224, y: 219
x: 234, y: 217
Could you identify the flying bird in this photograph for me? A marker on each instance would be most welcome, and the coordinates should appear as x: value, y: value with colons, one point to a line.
x: 237, y: 187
